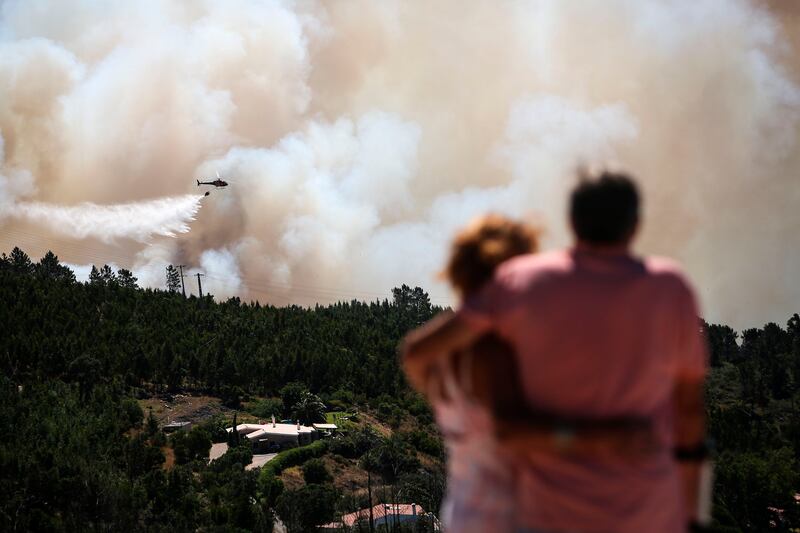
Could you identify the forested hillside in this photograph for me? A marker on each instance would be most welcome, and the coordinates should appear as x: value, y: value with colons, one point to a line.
x: 106, y: 328
x: 78, y: 452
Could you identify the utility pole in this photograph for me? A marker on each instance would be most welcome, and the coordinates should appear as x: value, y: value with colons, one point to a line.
x: 183, y: 289
x: 199, y: 285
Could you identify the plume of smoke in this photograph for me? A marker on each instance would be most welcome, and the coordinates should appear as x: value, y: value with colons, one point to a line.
x: 138, y: 220
x: 357, y: 136
x: 82, y: 272
x: 14, y: 184
x: 221, y: 271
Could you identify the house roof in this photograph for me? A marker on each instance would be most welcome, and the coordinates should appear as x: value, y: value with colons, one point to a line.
x: 379, y: 511
x: 245, y: 428
x: 325, y: 426
x: 256, y: 434
x: 268, y: 429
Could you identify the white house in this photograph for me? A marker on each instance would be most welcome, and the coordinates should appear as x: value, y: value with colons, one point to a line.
x: 262, y: 436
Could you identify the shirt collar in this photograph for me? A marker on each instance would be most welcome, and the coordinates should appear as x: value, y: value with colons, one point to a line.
x: 601, y: 251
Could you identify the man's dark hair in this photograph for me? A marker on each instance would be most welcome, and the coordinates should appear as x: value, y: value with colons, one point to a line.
x: 604, y: 209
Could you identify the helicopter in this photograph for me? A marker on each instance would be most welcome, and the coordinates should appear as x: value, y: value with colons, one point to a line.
x: 219, y: 182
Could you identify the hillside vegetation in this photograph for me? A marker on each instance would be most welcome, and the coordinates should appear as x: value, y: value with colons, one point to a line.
x: 78, y: 451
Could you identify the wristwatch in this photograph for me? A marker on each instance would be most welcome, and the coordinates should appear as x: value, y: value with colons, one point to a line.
x: 563, y: 436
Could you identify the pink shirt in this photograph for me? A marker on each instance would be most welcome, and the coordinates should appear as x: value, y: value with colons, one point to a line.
x: 597, y: 335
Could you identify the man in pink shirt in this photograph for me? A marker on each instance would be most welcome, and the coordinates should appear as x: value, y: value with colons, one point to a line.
x: 599, y: 334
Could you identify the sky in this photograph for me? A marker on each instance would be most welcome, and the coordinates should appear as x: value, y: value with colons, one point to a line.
x: 358, y: 136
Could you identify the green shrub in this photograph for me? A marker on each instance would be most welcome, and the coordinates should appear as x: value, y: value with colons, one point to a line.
x: 133, y: 412
x: 266, y: 408
x: 426, y: 442
x: 419, y: 408
x: 337, y: 405
x: 270, y: 486
x: 375, y: 401
x: 294, y: 457
x: 236, y: 458
x: 216, y: 428
x: 310, y: 506
x: 391, y: 458
x: 343, y: 446
x: 355, y: 444
x: 232, y: 396
x: 346, y: 397
x: 315, y: 471
x: 291, y: 393
x: 395, y: 418
x: 191, y: 445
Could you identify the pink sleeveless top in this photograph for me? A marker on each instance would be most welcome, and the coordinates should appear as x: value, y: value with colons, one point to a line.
x: 480, y: 485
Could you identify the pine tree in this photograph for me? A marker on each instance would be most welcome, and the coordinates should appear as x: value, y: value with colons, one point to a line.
x: 94, y: 276
x: 126, y: 279
x: 20, y: 262
x: 49, y: 267
x: 108, y: 276
x: 173, y: 279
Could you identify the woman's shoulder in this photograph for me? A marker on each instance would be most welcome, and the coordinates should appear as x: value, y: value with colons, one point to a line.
x: 666, y: 270
x: 533, y: 267
x: 549, y: 260
x: 668, y: 277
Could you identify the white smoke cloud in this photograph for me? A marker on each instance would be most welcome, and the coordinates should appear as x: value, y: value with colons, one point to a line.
x: 14, y: 184
x: 221, y: 271
x: 82, y: 272
x: 150, y: 264
x: 357, y: 136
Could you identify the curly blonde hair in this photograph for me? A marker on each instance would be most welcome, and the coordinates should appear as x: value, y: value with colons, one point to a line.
x: 481, y: 246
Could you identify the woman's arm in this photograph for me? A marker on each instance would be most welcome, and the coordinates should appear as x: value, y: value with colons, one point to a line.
x: 534, y: 432
x: 444, y: 334
x: 490, y: 374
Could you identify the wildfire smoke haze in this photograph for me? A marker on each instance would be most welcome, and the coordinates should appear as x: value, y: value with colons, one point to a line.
x: 357, y: 136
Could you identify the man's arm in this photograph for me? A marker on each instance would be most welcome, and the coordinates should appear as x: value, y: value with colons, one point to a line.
x: 631, y: 438
x: 689, y: 425
x: 441, y: 336
x: 689, y: 437
x: 522, y: 429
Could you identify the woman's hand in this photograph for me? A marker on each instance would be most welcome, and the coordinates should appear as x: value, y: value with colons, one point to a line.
x: 421, y: 348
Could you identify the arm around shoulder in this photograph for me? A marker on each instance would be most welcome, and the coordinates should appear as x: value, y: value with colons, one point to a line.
x: 423, y: 346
